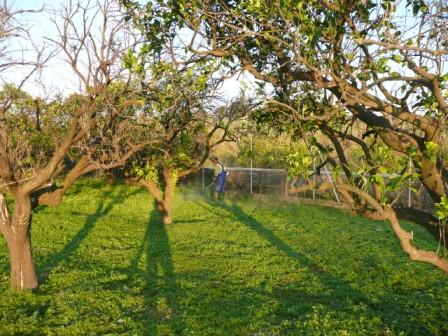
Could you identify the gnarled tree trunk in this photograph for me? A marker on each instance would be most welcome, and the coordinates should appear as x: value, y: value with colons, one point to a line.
x: 380, y: 212
x: 53, y: 197
x: 431, y: 178
x: 165, y: 211
x: 165, y: 205
x: 405, y: 237
x: 163, y: 195
x: 17, y: 233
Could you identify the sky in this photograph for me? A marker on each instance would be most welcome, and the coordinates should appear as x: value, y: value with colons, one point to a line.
x: 57, y: 77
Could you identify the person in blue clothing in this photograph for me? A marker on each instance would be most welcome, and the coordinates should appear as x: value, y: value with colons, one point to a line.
x: 220, y: 176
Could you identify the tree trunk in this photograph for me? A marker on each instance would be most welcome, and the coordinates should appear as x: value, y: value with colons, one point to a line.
x: 406, y: 238
x: 165, y: 205
x: 389, y: 214
x: 425, y: 219
x: 163, y: 198
x: 432, y: 179
x: 430, y: 175
x: 18, y: 238
x: 165, y: 212
x: 53, y: 197
x: 23, y: 274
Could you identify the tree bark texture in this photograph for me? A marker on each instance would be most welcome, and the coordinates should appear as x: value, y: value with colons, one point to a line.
x: 406, y: 238
x: 16, y: 230
x: 163, y: 196
x: 168, y: 195
x: 403, y: 236
x: 23, y: 274
x: 164, y: 210
x: 54, y: 197
x: 165, y: 204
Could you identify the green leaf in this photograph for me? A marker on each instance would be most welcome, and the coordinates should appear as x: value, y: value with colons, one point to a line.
x: 431, y: 150
x: 397, y: 58
x: 395, y: 74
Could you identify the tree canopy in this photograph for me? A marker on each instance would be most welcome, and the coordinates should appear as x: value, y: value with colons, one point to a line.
x: 324, y: 67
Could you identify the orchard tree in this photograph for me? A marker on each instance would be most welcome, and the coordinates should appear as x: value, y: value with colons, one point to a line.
x: 371, y: 182
x: 182, y: 107
x: 382, y: 63
x: 92, y: 126
x: 14, y: 32
x: 379, y: 63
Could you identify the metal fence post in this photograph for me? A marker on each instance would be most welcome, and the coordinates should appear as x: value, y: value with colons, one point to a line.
x: 409, y: 186
x: 251, y: 163
x: 332, y: 182
x: 314, y: 178
x: 203, y: 180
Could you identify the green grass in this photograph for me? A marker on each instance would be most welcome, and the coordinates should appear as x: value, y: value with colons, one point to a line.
x: 245, y: 267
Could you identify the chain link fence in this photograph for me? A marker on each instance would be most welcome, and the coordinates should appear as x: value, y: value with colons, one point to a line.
x: 248, y: 180
x: 274, y: 182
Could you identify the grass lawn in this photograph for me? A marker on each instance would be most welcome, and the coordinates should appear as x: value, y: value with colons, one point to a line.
x: 245, y: 267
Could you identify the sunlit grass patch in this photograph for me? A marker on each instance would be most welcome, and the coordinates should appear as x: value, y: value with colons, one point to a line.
x: 242, y: 267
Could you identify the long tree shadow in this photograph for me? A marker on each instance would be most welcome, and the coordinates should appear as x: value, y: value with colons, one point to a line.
x: 236, y: 213
x: 337, y: 290
x: 161, y: 292
x: 105, y: 205
x: 268, y: 235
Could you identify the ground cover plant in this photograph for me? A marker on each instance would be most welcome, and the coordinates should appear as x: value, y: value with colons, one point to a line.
x: 242, y: 267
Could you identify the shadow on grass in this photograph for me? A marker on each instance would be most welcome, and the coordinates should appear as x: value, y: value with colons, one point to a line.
x: 161, y: 292
x: 188, y: 221
x: 105, y: 205
x: 337, y: 295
